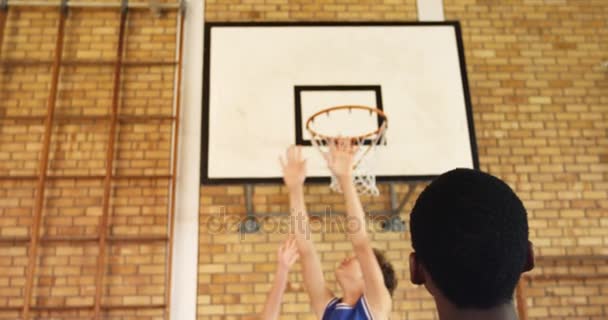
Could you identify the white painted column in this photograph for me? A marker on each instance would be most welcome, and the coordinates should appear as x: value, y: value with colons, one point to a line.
x: 185, y: 242
x: 430, y: 10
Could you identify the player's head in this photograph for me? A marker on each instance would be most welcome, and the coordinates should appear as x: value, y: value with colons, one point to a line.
x: 349, y: 274
x: 470, y: 237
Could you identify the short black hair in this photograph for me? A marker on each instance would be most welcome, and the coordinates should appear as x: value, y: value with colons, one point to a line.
x: 388, y: 272
x: 470, y: 232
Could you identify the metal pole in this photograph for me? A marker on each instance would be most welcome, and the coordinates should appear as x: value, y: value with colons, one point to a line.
x: 250, y: 225
x: 393, y: 195
x: 176, y: 124
x: 44, y: 159
x: 394, y: 223
x: 407, y: 197
x: 249, y: 199
x: 103, y: 230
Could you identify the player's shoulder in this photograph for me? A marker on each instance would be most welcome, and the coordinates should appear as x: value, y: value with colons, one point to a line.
x: 364, y: 308
x: 331, y: 305
x: 366, y: 312
x: 338, y: 310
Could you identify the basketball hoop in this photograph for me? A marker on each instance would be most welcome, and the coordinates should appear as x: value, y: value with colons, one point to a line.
x: 364, y: 176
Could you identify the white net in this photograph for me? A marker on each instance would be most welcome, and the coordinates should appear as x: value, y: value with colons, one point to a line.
x: 364, y: 176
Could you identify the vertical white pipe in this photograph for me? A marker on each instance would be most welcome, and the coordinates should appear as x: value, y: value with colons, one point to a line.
x: 185, y: 242
x: 430, y: 10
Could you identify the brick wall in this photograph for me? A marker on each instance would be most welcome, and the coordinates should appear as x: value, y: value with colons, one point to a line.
x: 309, y: 10
x: 540, y: 104
x: 135, y: 271
x: 235, y: 271
x: 541, y: 112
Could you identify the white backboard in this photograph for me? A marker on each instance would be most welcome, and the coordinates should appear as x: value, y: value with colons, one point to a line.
x: 263, y: 80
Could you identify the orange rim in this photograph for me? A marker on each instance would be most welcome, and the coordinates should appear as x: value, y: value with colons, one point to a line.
x: 379, y: 112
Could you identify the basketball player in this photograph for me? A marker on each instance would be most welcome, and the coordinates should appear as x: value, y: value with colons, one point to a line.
x: 367, y: 280
x: 470, y: 237
x: 286, y: 256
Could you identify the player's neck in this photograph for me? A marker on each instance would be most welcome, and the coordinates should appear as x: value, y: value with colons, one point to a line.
x: 351, y: 296
x: 448, y: 311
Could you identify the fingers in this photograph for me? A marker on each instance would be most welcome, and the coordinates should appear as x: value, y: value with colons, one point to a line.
x: 288, y: 252
x: 329, y: 158
x: 333, y: 146
x: 342, y: 144
x: 288, y: 249
x: 290, y: 244
x: 294, y: 258
x: 326, y: 156
x: 350, y: 146
x: 289, y: 153
x: 293, y: 154
x: 291, y: 248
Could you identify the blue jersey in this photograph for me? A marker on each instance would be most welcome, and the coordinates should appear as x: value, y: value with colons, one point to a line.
x: 337, y: 310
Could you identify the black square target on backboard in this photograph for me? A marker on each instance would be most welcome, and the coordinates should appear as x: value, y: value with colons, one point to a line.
x: 310, y: 99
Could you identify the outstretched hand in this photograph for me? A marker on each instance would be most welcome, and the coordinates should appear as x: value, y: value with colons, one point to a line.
x: 294, y: 167
x: 286, y: 257
x: 288, y: 254
x: 341, y: 156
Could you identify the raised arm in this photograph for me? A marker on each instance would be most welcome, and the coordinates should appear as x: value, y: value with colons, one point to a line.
x: 286, y: 256
x: 340, y: 161
x: 294, y: 174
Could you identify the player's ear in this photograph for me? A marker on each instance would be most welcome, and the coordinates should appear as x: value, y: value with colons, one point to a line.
x: 529, y: 258
x: 416, y: 273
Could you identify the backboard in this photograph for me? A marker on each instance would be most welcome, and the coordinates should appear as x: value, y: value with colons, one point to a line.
x: 262, y: 81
